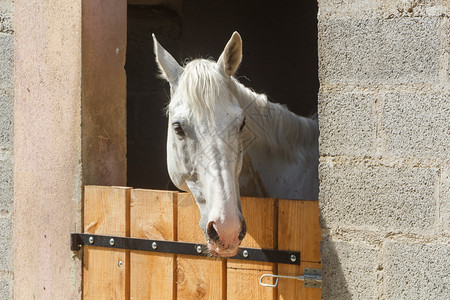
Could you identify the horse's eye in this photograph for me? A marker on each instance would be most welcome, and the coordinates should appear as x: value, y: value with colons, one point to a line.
x: 178, y: 129
x: 242, y: 125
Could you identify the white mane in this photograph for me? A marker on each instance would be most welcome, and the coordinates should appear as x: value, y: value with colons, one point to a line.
x: 282, y: 129
x: 199, y: 87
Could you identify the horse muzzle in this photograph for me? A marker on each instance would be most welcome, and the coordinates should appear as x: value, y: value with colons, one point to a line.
x: 224, y: 241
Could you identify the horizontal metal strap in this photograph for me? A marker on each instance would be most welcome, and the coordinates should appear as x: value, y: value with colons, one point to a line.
x: 117, y: 242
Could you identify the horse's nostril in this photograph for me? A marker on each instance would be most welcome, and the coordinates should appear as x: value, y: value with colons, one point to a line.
x: 212, y: 233
x: 243, y: 231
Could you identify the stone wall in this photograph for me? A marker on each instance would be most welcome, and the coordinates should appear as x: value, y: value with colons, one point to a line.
x: 384, y: 112
x: 6, y: 147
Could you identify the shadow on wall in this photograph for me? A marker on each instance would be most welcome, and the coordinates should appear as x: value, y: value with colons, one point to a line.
x: 334, y: 283
x: 350, y: 270
x: 279, y: 59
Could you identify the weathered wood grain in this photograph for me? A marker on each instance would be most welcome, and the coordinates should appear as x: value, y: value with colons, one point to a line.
x: 298, y: 229
x: 152, y: 217
x: 106, y: 211
x: 165, y: 215
x: 197, y: 278
x: 243, y: 277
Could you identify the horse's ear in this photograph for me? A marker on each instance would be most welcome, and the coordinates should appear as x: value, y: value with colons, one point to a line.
x: 170, y: 69
x: 231, y: 56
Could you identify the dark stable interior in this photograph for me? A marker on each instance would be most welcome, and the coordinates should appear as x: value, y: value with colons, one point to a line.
x: 279, y: 59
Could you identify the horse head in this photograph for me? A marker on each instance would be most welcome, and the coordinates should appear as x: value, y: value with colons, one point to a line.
x: 204, y: 142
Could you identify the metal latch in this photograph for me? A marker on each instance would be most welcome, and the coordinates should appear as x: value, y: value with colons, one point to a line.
x: 311, y: 277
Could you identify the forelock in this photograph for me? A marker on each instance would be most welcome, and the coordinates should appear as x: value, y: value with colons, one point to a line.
x: 199, y: 87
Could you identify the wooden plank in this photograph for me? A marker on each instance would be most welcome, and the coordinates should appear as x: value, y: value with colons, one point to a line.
x: 152, y: 217
x: 106, y: 212
x: 243, y: 277
x: 197, y: 278
x: 298, y: 229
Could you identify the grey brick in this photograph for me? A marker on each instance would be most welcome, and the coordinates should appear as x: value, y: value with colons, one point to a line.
x: 417, y: 125
x: 444, y: 192
x: 6, y: 186
x: 6, y: 244
x: 6, y: 62
x: 347, y: 124
x: 417, y: 271
x: 445, y: 50
x: 399, y: 50
x: 6, y: 121
x: 367, y: 196
x: 6, y: 289
x: 349, y: 272
x: 363, y: 9
x: 6, y: 17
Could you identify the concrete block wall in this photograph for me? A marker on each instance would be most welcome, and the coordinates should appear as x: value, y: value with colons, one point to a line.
x: 384, y: 113
x: 6, y: 148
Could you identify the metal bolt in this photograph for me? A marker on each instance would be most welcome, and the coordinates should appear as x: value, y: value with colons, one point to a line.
x: 91, y: 240
x: 120, y: 263
x: 154, y: 245
x: 293, y: 258
x: 111, y: 242
x: 245, y: 253
x: 199, y: 249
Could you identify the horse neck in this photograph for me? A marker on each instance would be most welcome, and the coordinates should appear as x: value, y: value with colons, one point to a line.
x: 276, y: 126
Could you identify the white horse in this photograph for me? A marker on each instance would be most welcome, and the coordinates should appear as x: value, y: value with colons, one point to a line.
x: 224, y: 140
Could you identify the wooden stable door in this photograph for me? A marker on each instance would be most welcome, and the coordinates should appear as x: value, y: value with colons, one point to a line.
x: 172, y: 216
